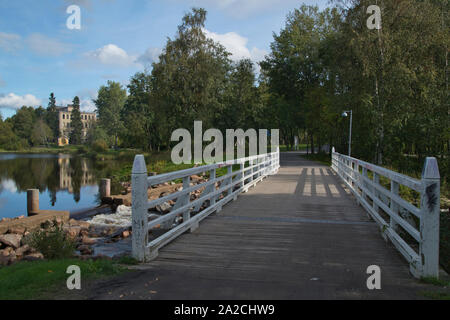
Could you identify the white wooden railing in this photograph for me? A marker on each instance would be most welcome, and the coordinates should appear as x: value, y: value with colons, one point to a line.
x: 420, y: 222
x: 251, y: 171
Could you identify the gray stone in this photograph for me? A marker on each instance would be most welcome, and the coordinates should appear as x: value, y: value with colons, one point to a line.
x: 12, y: 240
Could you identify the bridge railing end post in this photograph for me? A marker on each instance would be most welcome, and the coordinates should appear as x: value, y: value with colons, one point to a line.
x: 139, y: 187
x: 430, y: 215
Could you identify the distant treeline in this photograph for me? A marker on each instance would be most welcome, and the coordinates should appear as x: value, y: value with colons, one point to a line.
x: 38, y: 127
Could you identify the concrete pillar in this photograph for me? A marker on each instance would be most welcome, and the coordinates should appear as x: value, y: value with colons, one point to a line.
x: 32, y: 202
x: 105, y: 188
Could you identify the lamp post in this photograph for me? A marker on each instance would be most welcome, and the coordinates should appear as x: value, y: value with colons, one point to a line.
x: 345, y: 114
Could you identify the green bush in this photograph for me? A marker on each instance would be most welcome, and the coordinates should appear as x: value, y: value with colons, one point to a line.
x: 52, y: 241
x: 100, y: 145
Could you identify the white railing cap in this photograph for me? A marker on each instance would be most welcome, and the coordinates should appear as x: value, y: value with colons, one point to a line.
x: 430, y: 169
x: 139, y: 166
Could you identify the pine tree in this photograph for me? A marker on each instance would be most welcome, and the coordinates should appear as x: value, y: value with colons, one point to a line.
x: 75, y: 123
x: 51, y: 117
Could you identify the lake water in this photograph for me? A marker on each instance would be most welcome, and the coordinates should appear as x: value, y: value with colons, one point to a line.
x: 65, y: 182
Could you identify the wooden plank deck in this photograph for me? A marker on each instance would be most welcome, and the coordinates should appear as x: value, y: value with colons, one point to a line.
x: 297, y: 235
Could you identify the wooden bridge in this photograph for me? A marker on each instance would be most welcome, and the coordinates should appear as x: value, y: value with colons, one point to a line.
x: 299, y: 234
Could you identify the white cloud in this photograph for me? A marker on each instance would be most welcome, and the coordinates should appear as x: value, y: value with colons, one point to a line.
x: 150, y: 55
x: 86, y: 100
x: 112, y: 55
x: 237, y: 46
x: 10, y: 42
x: 46, y: 46
x: 87, y: 105
x: 9, y: 185
x: 14, y: 101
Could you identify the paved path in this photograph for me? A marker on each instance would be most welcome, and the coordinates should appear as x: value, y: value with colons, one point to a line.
x: 297, y: 235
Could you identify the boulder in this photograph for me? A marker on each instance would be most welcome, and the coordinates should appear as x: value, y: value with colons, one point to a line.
x: 23, y: 250
x: 34, y: 256
x: 7, y: 259
x: 164, y: 207
x: 7, y: 251
x: 12, y: 240
x: 164, y: 194
x: 85, y: 250
x: 88, y: 241
x: 17, y: 230
x: 73, y: 231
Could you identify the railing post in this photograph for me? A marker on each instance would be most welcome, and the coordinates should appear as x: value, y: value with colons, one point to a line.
x: 212, y: 177
x: 393, y: 205
x: 230, y: 180
x: 429, y: 222
x: 139, y: 187
x: 186, y: 198
x: 375, y: 192
x: 241, y: 175
x: 333, y: 165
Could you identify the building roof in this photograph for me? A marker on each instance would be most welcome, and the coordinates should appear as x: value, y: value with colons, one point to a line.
x: 66, y: 109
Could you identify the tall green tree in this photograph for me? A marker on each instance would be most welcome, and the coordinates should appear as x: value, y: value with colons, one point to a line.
x: 76, y: 124
x: 41, y: 134
x: 294, y: 69
x: 242, y: 104
x: 139, y: 114
x: 51, y: 117
x: 190, y: 79
x: 23, y: 122
x: 110, y: 103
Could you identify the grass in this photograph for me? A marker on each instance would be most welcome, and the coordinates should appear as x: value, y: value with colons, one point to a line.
x: 284, y: 148
x: 436, y: 282
x: 436, y: 295
x: 41, y: 279
x: 53, y: 149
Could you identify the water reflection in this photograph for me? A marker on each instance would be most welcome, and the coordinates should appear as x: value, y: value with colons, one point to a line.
x: 59, y: 177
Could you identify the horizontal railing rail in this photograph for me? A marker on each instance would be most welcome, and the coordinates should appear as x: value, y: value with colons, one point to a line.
x: 400, y: 221
x: 216, y: 192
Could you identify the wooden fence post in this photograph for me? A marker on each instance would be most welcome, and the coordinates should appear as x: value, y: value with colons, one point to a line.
x: 139, y: 187
x: 105, y: 188
x: 429, y: 223
x: 32, y: 202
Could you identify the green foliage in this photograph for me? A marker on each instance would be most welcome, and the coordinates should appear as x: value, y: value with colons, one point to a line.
x: 189, y: 81
x: 52, y: 241
x: 41, y: 134
x: 110, y: 102
x: 51, y: 117
x: 75, y: 123
x: 127, y: 260
x: 139, y: 114
x: 9, y: 140
x: 100, y: 146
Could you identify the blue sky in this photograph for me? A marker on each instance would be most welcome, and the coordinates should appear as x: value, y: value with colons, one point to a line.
x: 39, y: 54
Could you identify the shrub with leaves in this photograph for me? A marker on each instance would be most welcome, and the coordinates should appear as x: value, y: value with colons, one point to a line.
x: 52, y: 241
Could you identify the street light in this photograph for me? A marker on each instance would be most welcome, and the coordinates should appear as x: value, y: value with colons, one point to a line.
x: 345, y: 115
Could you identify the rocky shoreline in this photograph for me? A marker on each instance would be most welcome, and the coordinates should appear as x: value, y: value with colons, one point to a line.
x: 104, y: 236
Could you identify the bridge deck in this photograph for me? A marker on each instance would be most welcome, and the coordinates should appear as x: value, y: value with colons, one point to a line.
x: 297, y: 235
